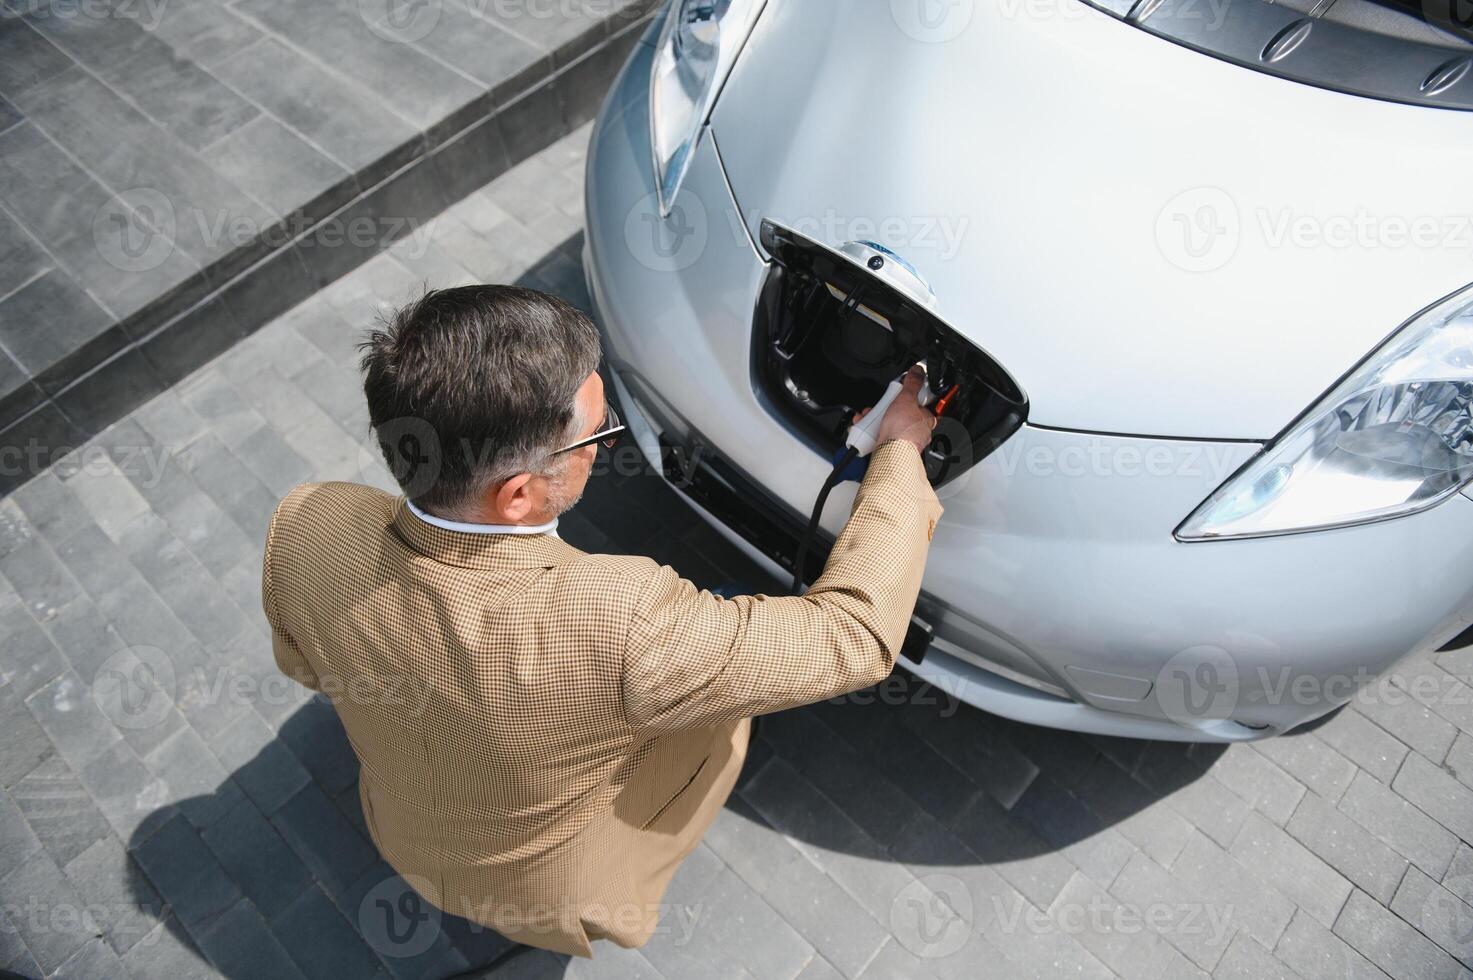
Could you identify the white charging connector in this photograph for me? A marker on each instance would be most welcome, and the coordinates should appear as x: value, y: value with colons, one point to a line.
x: 864, y: 433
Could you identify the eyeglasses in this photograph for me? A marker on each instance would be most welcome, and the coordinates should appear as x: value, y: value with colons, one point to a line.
x: 608, y: 432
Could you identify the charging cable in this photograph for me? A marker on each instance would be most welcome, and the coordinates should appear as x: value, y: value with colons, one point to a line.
x: 861, y: 441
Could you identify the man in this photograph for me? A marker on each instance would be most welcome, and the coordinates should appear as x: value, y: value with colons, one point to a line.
x: 574, y: 722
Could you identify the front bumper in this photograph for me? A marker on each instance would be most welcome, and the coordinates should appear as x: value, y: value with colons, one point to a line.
x: 1058, y: 592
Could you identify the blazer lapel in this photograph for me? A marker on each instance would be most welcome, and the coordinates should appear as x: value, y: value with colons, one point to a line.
x: 489, y: 551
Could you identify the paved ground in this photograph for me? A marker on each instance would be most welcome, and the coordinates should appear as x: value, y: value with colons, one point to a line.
x: 170, y: 804
x: 174, y: 173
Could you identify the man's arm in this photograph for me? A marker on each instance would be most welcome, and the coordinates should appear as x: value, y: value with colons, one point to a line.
x: 695, y: 659
x: 289, y: 658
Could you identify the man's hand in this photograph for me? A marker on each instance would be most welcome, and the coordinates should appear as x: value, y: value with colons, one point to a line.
x: 905, y: 419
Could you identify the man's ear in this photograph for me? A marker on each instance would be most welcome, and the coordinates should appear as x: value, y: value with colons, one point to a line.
x: 513, y: 499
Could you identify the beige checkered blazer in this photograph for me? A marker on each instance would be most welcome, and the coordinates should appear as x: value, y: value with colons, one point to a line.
x: 545, y: 734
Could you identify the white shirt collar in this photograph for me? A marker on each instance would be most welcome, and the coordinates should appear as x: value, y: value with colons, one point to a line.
x: 464, y: 528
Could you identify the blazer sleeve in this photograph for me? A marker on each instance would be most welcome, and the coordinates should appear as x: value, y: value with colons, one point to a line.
x: 694, y: 659
x: 289, y: 658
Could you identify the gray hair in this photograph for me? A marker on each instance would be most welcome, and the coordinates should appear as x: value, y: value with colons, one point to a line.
x: 468, y: 387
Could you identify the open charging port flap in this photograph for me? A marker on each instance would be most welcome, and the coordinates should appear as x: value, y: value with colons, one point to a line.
x: 830, y: 333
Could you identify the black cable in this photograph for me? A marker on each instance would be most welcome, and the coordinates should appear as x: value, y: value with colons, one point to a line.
x: 823, y: 496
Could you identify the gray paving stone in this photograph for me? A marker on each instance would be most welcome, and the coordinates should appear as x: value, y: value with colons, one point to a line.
x: 26, y: 745
x: 1390, y: 943
x: 66, y: 712
x: 412, y: 84
x: 822, y: 832
x: 1437, y: 913
x: 1114, y: 933
x: 1437, y: 794
x: 1018, y: 855
x: 14, y: 955
x: 123, y: 902
x: 1315, y: 953
x: 263, y: 766
x: 198, y: 786
x: 1311, y: 760
x: 167, y: 952
x: 28, y: 58
x: 1459, y: 877
x: 1291, y: 868
x: 211, y: 396
x: 79, y: 333
x: 1441, y: 692
x: 186, y: 874
x: 381, y: 892
x: 1347, y: 847
x: 1459, y: 760
x: 241, y: 944
x: 38, y: 579
x: 18, y: 842
x: 275, y: 463
x: 1395, y: 821
x: 255, y: 856
x: 324, y: 944
x: 1246, y: 960
x: 1212, y: 807
x: 59, y: 810
x: 108, y: 496
x: 181, y: 581
x: 94, y: 961
x: 231, y: 485
x: 323, y: 838
x: 132, y: 800
x: 54, y: 512
x: 46, y: 910
x: 748, y: 935
x: 1144, y: 884
x: 169, y: 421
x: 1080, y: 836
x: 1217, y: 878
x: 203, y: 32
x: 280, y: 169
x: 1395, y: 710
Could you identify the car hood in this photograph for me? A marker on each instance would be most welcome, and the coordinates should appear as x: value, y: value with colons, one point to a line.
x: 1150, y: 240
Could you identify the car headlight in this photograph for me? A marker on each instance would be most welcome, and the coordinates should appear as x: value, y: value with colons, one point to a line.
x: 1393, y: 438
x: 698, y: 45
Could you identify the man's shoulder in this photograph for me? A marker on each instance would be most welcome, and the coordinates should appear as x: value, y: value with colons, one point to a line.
x: 335, y: 504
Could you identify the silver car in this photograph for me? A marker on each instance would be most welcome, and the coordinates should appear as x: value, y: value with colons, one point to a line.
x: 1190, y: 281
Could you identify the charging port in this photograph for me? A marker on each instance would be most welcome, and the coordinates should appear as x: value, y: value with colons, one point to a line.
x: 829, y: 335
